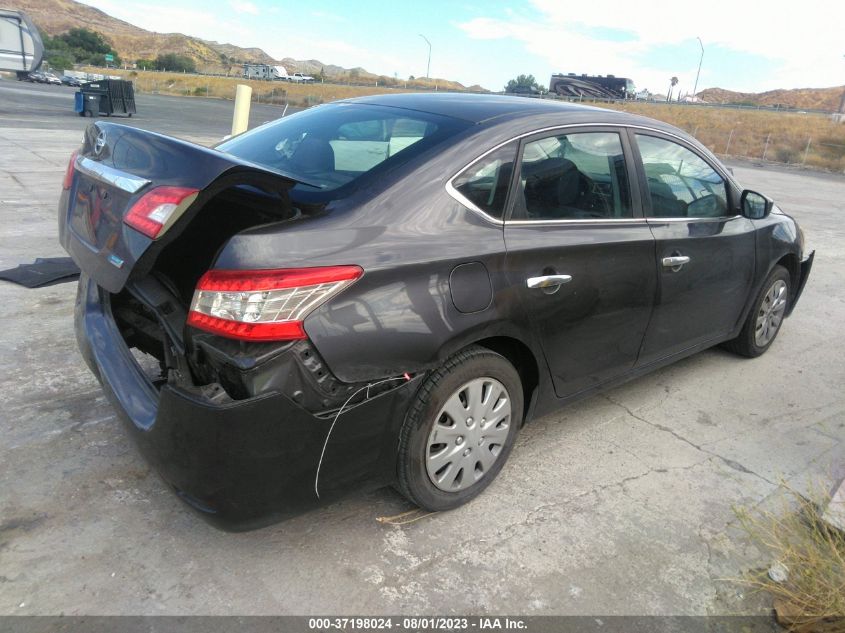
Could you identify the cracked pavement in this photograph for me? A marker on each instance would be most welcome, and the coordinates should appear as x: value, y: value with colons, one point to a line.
x: 620, y: 504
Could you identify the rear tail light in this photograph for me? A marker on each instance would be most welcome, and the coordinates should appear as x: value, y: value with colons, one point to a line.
x: 151, y: 213
x: 265, y: 305
x: 71, y: 167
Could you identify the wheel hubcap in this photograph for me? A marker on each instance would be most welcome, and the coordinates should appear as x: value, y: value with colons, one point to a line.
x: 770, y: 313
x: 469, y: 434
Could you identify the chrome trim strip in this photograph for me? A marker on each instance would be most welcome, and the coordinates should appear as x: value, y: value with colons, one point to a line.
x: 578, y: 221
x: 120, y: 179
x: 721, y: 218
x: 454, y: 193
x: 457, y: 195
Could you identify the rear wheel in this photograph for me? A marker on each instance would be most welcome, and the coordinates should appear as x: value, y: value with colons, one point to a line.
x: 460, y: 429
x: 766, y: 316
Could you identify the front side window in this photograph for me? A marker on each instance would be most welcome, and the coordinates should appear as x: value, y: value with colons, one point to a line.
x: 485, y: 182
x: 680, y: 183
x: 574, y: 177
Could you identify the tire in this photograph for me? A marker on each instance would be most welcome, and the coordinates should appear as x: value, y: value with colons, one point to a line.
x: 751, y: 342
x: 428, y: 455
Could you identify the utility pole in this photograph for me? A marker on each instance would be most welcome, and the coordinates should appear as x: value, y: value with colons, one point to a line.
x: 700, y: 60
x: 839, y: 117
x: 428, y: 66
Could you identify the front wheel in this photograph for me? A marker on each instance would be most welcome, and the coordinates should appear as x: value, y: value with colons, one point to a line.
x: 766, y: 316
x: 460, y: 429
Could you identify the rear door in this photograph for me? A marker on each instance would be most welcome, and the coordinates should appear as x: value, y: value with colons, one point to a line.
x: 705, y: 250
x: 580, y: 255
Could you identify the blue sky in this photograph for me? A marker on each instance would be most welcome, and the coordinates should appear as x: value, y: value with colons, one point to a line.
x: 749, y: 46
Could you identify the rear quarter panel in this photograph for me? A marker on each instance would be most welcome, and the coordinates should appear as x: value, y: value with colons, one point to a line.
x: 408, y: 235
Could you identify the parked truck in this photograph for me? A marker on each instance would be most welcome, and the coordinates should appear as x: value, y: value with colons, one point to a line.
x: 273, y: 73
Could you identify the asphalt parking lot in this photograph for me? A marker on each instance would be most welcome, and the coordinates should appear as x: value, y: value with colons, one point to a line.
x: 621, y: 504
x: 48, y: 107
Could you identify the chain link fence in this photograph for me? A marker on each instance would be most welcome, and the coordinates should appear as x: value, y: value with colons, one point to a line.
x: 790, y: 138
x: 824, y: 151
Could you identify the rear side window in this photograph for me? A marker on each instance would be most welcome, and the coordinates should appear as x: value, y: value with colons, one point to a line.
x: 680, y: 183
x: 329, y: 147
x: 485, y: 182
x: 574, y: 177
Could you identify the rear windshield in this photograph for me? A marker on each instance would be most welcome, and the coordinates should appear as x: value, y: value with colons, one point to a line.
x: 333, y: 147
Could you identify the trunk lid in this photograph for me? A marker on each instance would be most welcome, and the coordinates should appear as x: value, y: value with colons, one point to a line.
x: 116, y: 166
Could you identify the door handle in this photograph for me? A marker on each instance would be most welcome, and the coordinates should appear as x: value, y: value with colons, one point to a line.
x: 548, y: 281
x: 675, y: 262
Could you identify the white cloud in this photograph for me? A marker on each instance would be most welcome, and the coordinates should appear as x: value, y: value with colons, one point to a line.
x: 805, y: 39
x: 244, y: 6
x: 172, y: 19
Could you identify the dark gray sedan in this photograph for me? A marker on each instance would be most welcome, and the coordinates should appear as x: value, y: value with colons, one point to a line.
x: 382, y: 291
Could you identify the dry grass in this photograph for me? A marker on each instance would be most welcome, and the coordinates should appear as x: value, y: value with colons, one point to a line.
x: 807, y: 139
x: 813, y: 553
x: 279, y: 92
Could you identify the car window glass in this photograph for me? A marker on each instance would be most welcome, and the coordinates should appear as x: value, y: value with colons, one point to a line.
x: 574, y: 177
x: 331, y: 146
x: 680, y: 183
x: 485, y: 182
x: 362, y: 145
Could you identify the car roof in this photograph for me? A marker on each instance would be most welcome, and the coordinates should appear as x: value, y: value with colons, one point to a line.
x: 481, y: 108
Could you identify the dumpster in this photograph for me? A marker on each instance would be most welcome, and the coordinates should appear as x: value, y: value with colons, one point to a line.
x: 106, y: 97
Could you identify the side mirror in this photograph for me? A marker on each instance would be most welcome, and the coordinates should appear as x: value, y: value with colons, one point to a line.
x: 755, y: 206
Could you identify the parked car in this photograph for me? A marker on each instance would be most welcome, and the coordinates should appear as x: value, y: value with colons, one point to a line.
x: 300, y: 78
x: 50, y: 78
x: 382, y: 291
x: 70, y: 81
x: 35, y: 77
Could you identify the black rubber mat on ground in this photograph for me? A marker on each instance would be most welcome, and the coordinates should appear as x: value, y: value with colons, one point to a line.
x: 45, y: 271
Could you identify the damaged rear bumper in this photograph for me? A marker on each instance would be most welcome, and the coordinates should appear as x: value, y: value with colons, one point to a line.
x: 241, y: 463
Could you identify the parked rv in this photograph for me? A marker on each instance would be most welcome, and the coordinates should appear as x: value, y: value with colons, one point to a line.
x: 596, y: 86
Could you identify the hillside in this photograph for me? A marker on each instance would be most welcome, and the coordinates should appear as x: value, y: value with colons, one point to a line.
x: 799, y: 98
x: 131, y: 43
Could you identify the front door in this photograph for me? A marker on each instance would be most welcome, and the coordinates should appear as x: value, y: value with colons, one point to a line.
x: 580, y: 255
x: 705, y: 251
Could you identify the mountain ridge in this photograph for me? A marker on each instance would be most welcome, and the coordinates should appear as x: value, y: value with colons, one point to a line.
x: 133, y: 42
x: 827, y: 99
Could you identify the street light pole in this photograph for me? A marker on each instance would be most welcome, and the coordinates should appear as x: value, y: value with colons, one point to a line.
x: 428, y: 66
x: 700, y: 60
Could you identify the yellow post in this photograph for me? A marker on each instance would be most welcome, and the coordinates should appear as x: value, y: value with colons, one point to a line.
x: 240, y: 120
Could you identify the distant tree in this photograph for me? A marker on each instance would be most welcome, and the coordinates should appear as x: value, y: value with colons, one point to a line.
x: 145, y: 64
x: 672, y: 83
x: 90, y: 41
x: 523, y: 83
x: 176, y: 63
x: 59, y: 60
x: 80, y: 46
x: 411, y: 78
